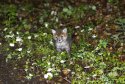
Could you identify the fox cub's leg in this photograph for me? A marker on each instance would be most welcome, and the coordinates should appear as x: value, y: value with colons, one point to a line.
x: 68, y: 51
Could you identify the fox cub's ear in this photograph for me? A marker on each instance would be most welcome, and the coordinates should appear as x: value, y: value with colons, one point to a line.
x: 53, y: 31
x: 64, y: 30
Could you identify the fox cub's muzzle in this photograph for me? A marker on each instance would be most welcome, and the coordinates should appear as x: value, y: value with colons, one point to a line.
x: 60, y: 39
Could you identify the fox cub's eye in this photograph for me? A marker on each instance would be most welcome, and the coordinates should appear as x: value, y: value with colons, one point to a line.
x: 61, y: 36
x: 56, y: 37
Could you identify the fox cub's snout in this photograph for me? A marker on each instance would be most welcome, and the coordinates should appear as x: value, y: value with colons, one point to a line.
x: 61, y: 40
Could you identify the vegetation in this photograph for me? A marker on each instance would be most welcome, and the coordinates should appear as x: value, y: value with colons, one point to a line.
x: 27, y: 52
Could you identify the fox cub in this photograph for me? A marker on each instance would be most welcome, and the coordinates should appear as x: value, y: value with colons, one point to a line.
x: 61, y: 40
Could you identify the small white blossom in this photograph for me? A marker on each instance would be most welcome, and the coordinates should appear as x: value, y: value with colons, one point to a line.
x: 49, y: 63
x: 94, y: 75
x: 12, y: 44
x: 10, y: 32
x: 82, y: 30
x: 45, y: 76
x: 48, y: 75
x: 44, y: 34
x: 72, y: 73
x: 30, y: 74
x: 100, y: 53
x: 9, y: 36
x: 29, y: 37
x: 34, y: 63
x: 93, y: 7
x: 61, y: 24
x: 46, y: 24
x: 62, y: 61
x: 68, y: 70
x: 28, y: 51
x: 17, y: 32
x: 53, y: 13
x: 19, y: 49
x: 88, y: 78
x: 90, y: 29
x: 53, y: 65
x: 51, y: 42
x: 94, y: 36
x: 49, y: 69
x: 26, y: 69
x: 5, y: 29
x: 87, y: 67
x: 97, y: 48
x: 0, y: 43
x: 77, y: 27
x: 36, y: 35
x: 18, y: 39
x: 57, y: 20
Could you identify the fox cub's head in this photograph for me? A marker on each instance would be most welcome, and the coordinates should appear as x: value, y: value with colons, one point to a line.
x: 60, y: 35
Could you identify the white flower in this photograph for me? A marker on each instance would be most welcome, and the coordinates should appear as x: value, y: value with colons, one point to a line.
x: 5, y: 29
x: 94, y: 75
x: 44, y: 34
x: 68, y: 70
x: 88, y: 78
x: 30, y: 74
x: 49, y: 69
x: 9, y: 36
x: 10, y: 32
x: 72, y: 73
x: 77, y: 27
x: 34, y: 63
x: 53, y: 13
x: 11, y: 44
x: 97, y: 48
x: 45, y: 76
x: 48, y: 75
x: 29, y: 37
x: 57, y: 19
x: 94, y: 36
x: 46, y: 24
x: 100, y: 53
x: 49, y: 63
x: 17, y: 32
x: 53, y: 65
x: 87, y: 67
x: 90, y: 29
x: 19, y: 49
x: 82, y: 30
x: 36, y: 35
x: 93, y: 7
x: 62, y: 61
x: 61, y: 24
x: 18, y: 39
x: 51, y: 42
x: 26, y: 69
x: 0, y: 43
x: 28, y: 51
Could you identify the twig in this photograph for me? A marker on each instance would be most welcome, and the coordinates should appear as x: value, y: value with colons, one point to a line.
x: 67, y: 80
